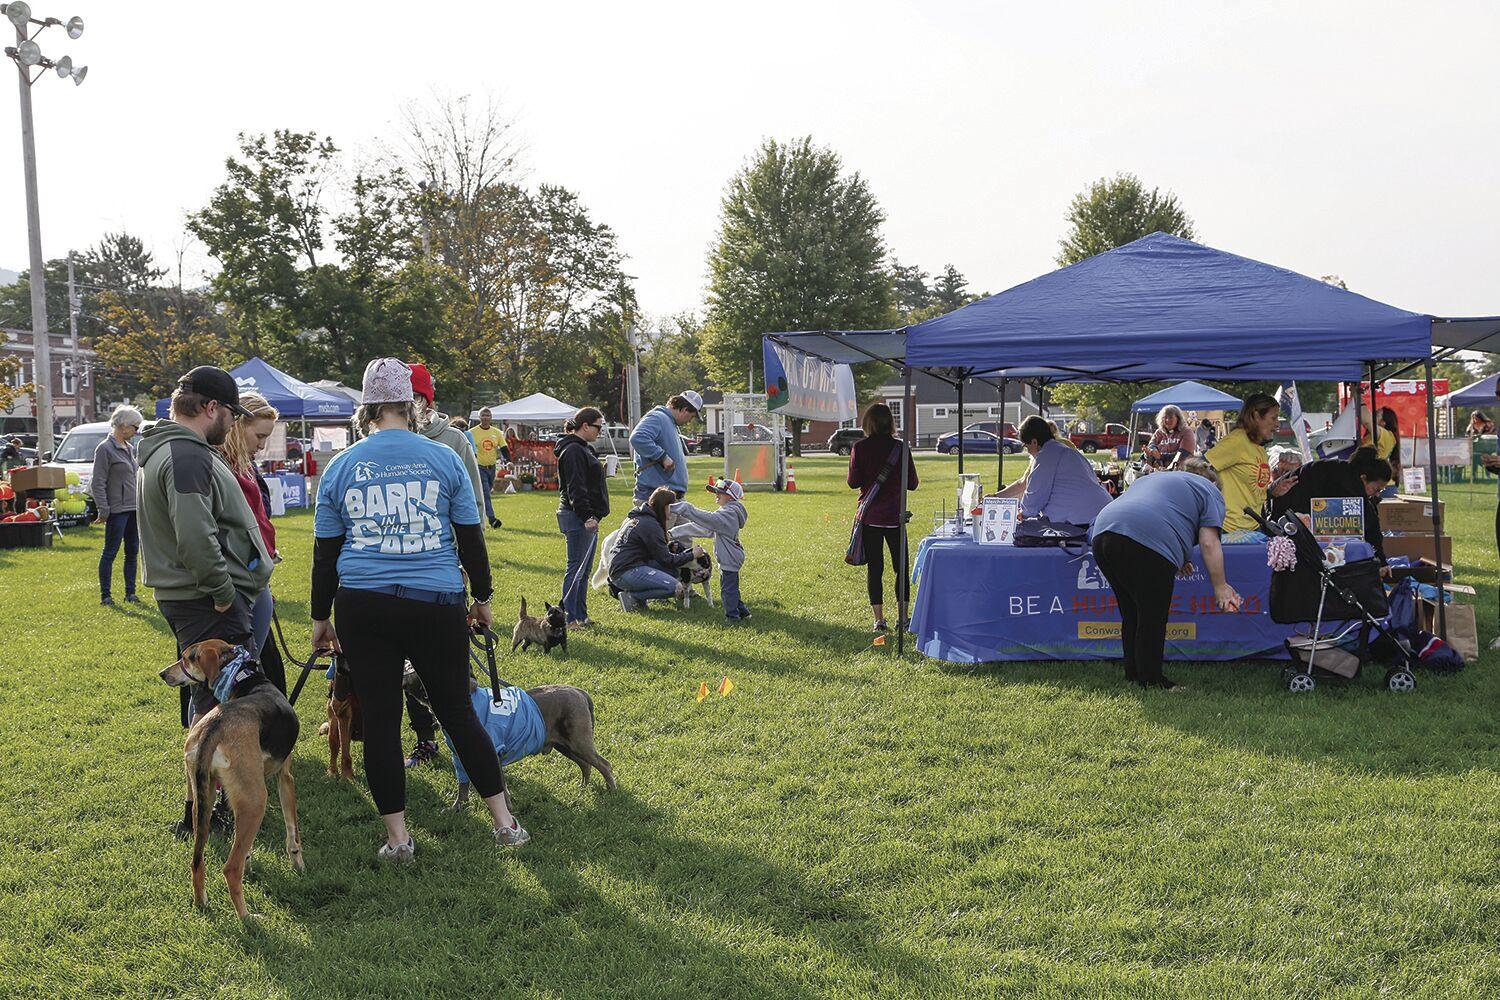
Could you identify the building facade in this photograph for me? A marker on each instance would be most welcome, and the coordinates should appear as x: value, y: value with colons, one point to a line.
x: 72, y: 384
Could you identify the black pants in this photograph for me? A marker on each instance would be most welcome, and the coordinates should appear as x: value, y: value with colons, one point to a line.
x: 422, y: 722
x: 379, y: 633
x: 196, y: 620
x: 1143, y: 581
x: 875, y: 562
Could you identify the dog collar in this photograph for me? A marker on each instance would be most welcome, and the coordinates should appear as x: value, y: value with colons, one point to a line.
x: 236, y: 670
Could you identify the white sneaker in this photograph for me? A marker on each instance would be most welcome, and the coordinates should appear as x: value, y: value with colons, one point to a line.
x: 400, y: 854
x: 511, y: 836
x: 1495, y: 642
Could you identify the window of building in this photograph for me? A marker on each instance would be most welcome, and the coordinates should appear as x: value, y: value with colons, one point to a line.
x: 940, y: 413
x: 897, y: 415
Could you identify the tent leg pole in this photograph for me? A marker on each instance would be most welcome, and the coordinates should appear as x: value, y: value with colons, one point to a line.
x: 1374, y: 406
x: 1437, y: 513
x: 904, y: 580
x: 960, y: 427
x: 1000, y: 450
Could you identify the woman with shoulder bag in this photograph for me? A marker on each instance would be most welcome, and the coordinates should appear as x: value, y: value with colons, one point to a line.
x: 875, y: 470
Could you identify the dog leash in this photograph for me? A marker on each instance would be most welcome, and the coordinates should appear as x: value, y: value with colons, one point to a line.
x: 484, y: 639
x: 588, y: 561
x: 307, y: 668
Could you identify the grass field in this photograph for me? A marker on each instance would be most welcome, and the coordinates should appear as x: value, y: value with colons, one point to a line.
x: 843, y: 824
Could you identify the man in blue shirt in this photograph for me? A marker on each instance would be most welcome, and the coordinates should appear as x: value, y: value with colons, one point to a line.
x: 1061, y: 484
x: 1142, y: 540
x: 656, y: 446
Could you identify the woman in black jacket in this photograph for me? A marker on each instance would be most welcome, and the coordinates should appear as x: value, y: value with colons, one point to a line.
x: 643, y: 566
x: 1361, y: 475
x: 582, y: 502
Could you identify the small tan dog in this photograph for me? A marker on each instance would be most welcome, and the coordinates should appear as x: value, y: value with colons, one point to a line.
x: 550, y: 629
x: 243, y: 740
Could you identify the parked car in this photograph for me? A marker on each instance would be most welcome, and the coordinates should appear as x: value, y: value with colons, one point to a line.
x: 1108, y: 439
x: 713, y: 443
x: 976, y: 443
x: 993, y: 427
x: 841, y: 441
x: 75, y: 452
x: 613, y: 440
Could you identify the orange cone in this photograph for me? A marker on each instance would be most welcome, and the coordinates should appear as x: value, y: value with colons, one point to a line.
x: 737, y: 477
x: 791, y: 479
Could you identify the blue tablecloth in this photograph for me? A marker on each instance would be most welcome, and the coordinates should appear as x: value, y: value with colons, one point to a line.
x: 978, y: 603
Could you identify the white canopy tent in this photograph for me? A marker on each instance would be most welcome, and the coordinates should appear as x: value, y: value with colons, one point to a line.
x: 537, y: 408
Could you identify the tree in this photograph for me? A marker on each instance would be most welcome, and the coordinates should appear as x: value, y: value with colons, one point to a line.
x: 10, y: 390
x: 1118, y: 210
x: 672, y: 359
x: 799, y: 247
x: 153, y: 339
x: 951, y: 290
x: 909, y: 285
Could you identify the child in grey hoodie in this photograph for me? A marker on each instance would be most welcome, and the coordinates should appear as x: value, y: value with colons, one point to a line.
x: 724, y: 526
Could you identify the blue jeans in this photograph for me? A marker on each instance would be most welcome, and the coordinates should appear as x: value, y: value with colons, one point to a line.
x: 119, y: 528
x: 260, y: 621
x: 729, y: 594
x: 582, y: 544
x: 646, y: 583
x: 487, y: 480
x: 643, y: 493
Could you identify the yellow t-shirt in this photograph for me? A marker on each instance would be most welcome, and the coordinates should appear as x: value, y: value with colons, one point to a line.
x: 1244, y: 476
x: 1385, y: 444
x: 487, y: 442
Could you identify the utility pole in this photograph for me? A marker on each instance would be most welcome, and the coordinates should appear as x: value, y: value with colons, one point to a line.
x: 73, y: 332
x: 41, y: 345
x: 633, y: 374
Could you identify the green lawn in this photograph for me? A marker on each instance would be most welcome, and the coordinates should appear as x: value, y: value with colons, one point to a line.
x: 843, y: 824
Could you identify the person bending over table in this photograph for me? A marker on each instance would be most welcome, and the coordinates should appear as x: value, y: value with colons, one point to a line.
x: 1174, y: 441
x: 1361, y: 475
x: 1142, y: 542
x: 1061, y: 485
x: 1240, y: 460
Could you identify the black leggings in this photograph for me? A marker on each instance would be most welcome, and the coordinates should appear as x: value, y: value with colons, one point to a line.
x: 1143, y: 581
x: 379, y: 632
x: 875, y: 562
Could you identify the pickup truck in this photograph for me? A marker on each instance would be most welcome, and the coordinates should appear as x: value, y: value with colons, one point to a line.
x: 1109, y: 439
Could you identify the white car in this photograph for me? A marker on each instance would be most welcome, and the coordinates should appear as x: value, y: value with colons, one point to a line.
x: 76, y: 451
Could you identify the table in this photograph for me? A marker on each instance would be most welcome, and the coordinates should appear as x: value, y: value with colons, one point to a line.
x: 979, y: 603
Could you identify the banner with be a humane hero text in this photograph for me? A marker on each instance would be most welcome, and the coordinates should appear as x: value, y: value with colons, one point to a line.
x: 800, y: 385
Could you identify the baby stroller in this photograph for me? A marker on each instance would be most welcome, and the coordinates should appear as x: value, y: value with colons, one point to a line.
x: 1351, y: 595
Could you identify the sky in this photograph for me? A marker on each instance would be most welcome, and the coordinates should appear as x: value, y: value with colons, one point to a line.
x: 1357, y: 139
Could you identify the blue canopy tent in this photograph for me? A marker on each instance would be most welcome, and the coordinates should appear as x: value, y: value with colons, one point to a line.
x: 293, y: 399
x: 1186, y: 396
x: 1481, y: 393
x: 1163, y: 308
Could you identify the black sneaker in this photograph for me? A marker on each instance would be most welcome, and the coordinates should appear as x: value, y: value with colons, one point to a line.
x: 880, y: 625
x: 425, y: 752
x: 221, y: 820
x: 106, y: 602
x: 132, y: 599
x: 497, y: 523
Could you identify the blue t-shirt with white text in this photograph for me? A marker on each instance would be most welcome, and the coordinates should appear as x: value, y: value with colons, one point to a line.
x: 394, y: 498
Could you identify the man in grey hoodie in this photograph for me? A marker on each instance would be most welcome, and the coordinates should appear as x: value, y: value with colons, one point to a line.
x: 724, y: 525
x: 202, y: 550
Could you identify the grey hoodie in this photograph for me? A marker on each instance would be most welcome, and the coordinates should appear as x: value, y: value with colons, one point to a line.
x: 198, y: 535
x: 440, y: 429
x: 723, y: 524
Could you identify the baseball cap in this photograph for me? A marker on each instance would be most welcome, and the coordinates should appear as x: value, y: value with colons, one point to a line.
x: 421, y: 382
x: 386, y: 380
x: 728, y: 487
x: 216, y: 384
x: 694, y: 400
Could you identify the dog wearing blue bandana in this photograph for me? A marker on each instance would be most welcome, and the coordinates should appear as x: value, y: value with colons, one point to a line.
x: 246, y: 738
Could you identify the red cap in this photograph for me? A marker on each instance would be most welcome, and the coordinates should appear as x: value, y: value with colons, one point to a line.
x: 421, y: 382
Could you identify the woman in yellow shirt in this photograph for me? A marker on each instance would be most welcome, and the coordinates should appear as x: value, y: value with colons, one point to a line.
x: 1244, y: 473
x: 1388, y: 445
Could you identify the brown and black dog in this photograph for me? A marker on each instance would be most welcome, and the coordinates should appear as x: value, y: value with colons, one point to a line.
x: 243, y: 740
x: 568, y: 714
x: 341, y: 726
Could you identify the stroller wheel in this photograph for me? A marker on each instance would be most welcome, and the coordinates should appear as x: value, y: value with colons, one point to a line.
x: 1297, y: 682
x: 1400, y: 680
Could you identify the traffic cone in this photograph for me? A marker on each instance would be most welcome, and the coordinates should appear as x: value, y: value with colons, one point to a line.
x: 737, y: 477
x: 791, y: 479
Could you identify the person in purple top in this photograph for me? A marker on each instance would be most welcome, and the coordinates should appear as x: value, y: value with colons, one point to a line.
x: 1061, y: 484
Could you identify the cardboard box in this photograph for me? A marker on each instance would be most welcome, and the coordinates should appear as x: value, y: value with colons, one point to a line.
x: 1407, y: 514
x: 1417, y: 547
x: 42, y: 477
x: 1463, y: 632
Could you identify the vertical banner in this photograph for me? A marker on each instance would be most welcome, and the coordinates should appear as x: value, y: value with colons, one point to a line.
x: 800, y: 385
x: 1291, y: 409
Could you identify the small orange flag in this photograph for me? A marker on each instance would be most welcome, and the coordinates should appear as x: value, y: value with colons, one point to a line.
x: 703, y: 690
x: 725, y: 686
x: 879, y: 641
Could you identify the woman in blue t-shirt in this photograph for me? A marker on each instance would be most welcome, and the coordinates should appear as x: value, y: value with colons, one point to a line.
x: 396, y: 516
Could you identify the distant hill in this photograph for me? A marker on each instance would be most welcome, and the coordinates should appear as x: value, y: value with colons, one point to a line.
x: 9, y: 277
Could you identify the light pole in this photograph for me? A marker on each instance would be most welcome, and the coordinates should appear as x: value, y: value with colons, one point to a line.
x: 27, y: 54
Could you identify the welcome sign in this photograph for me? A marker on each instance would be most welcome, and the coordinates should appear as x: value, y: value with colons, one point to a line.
x: 800, y: 385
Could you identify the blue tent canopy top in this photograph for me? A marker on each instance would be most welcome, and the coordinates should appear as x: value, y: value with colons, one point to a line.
x: 1186, y: 396
x: 293, y: 399
x: 1481, y: 393
x: 1159, y: 309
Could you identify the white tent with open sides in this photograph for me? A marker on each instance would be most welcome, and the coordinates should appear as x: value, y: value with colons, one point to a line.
x: 537, y: 408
